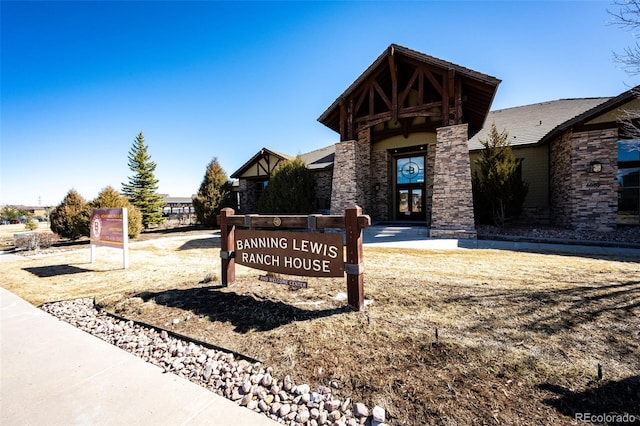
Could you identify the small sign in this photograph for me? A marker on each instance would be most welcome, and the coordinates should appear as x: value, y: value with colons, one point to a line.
x: 290, y: 283
x: 310, y: 254
x: 109, y: 228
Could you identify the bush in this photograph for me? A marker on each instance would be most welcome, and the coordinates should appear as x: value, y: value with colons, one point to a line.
x: 215, y: 193
x: 35, y: 240
x: 110, y: 198
x: 30, y: 224
x: 70, y: 219
x: 498, y: 189
x: 291, y: 190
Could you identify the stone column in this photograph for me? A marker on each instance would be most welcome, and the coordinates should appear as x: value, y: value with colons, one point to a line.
x: 594, y: 194
x: 351, y: 183
x: 343, y: 185
x: 452, y: 203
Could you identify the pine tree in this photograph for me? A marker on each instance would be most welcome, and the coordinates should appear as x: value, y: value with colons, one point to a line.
x: 110, y: 198
x: 498, y: 189
x: 70, y: 219
x: 214, y: 194
x: 291, y: 190
x: 142, y: 186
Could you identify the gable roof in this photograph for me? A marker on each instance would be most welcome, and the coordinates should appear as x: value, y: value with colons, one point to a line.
x: 320, y: 159
x: 260, y: 154
x: 478, y: 89
x: 534, y: 124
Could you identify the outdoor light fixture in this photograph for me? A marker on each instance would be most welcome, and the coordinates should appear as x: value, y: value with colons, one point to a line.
x: 595, y: 167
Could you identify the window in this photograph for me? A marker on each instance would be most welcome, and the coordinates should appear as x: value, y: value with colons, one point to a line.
x: 410, y: 170
x: 260, y: 186
x: 629, y: 180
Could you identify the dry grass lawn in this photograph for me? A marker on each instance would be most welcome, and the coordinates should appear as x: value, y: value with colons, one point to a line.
x: 451, y: 337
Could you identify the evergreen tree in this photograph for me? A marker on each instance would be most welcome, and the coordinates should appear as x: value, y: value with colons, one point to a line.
x: 70, y: 219
x: 142, y: 186
x: 498, y: 189
x: 214, y: 194
x: 110, y: 198
x: 291, y: 190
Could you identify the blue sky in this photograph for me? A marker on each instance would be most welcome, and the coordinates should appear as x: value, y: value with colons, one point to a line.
x: 80, y: 79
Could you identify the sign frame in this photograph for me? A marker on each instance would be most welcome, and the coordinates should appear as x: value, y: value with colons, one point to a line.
x: 353, y: 222
x: 109, y: 227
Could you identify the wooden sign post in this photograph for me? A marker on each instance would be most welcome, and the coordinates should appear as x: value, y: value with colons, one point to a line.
x: 296, y: 253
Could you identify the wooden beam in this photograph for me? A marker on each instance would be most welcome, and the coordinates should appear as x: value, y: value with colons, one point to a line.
x: 350, y: 120
x: 394, y: 86
x: 407, y: 89
x: 362, y: 96
x: 343, y: 119
x: 458, y: 101
x: 434, y: 82
x: 265, y: 157
x: 383, y: 95
x: 372, y: 102
x: 451, y: 92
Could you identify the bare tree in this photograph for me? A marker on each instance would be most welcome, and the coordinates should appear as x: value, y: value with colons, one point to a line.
x: 627, y: 17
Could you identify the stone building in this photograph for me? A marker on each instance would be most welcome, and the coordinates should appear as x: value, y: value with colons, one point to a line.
x: 581, y: 168
x: 409, y: 130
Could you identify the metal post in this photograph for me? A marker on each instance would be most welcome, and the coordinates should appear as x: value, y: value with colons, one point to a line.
x: 125, y: 239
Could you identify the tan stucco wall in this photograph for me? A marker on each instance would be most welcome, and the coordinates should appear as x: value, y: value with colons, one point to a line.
x: 535, y: 171
x: 400, y: 141
x: 615, y: 115
x: 255, y: 171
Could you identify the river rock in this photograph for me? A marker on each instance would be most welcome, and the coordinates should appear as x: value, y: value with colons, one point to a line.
x: 360, y: 410
x: 378, y: 414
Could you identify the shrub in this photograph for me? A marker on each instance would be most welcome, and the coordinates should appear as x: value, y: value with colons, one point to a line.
x: 110, y: 198
x: 30, y: 224
x: 291, y: 190
x: 35, y: 240
x: 498, y: 189
x: 214, y: 194
x: 70, y: 219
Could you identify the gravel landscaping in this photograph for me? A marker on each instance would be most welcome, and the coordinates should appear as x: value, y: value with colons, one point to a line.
x: 248, y: 383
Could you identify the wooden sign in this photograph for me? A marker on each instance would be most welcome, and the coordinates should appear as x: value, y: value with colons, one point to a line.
x: 309, y: 254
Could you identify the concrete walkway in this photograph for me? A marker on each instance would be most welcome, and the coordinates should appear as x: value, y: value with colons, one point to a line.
x: 52, y: 373
x: 417, y: 237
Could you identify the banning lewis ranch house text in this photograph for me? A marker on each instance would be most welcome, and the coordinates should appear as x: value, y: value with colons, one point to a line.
x: 294, y: 253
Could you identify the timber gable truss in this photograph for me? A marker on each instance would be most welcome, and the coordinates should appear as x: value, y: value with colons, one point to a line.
x: 260, y: 166
x: 403, y: 85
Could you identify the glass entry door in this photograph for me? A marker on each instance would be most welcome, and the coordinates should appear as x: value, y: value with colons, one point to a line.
x: 410, y: 188
x: 410, y: 204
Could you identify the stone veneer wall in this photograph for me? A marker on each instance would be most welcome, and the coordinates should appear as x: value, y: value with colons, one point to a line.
x: 323, y: 189
x: 580, y: 199
x: 248, y: 196
x: 595, y: 194
x: 382, y: 199
x: 560, y: 181
x: 363, y: 170
x: 352, y: 174
x: 452, y: 203
x: 343, y: 189
x: 428, y: 198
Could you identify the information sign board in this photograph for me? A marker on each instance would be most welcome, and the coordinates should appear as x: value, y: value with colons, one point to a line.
x: 311, y: 254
